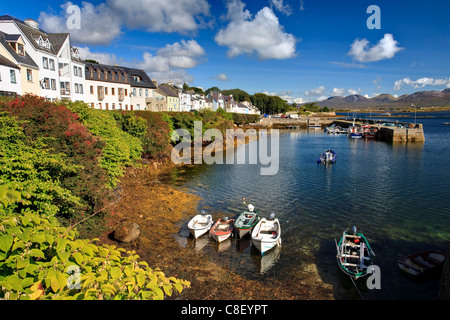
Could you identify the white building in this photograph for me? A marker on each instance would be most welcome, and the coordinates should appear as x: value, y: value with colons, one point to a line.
x: 107, y: 87
x: 58, y: 63
x: 10, y: 83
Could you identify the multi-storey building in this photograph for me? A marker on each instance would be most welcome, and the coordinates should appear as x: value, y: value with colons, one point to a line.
x: 58, y: 63
x: 142, y: 89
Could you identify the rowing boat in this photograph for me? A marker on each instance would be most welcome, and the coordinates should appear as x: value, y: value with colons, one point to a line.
x: 422, y: 263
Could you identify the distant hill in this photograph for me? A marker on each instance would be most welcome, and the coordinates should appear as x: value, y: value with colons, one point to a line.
x: 385, y: 101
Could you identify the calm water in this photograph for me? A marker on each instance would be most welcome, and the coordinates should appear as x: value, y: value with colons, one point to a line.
x: 397, y: 195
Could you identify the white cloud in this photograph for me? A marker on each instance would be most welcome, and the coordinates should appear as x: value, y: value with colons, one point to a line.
x: 99, y: 24
x: 348, y: 65
x: 170, y: 62
x: 343, y: 92
x: 101, y: 57
x: 221, y: 77
x: 162, y: 15
x: 386, y: 48
x: 422, y: 82
x: 280, y: 6
x: 103, y: 23
x: 262, y: 34
x: 285, y: 95
x: 316, y: 91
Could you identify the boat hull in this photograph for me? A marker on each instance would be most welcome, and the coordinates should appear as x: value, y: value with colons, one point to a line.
x: 222, y: 230
x: 245, y: 222
x: 422, y: 263
x: 266, y: 235
x: 354, y: 255
x: 200, y: 225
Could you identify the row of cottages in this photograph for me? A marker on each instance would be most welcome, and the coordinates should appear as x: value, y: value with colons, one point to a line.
x: 45, y: 64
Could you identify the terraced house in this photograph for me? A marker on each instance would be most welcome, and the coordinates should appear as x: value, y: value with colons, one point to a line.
x: 60, y: 70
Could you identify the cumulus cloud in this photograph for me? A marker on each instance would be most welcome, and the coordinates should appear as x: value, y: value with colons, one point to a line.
x: 386, y: 48
x: 422, y: 82
x: 344, y: 92
x: 281, y: 7
x: 102, y: 23
x: 171, y: 62
x: 261, y: 34
x: 285, y: 95
x: 221, y: 77
x: 319, y: 91
x: 101, y: 57
x: 99, y: 24
x: 162, y: 15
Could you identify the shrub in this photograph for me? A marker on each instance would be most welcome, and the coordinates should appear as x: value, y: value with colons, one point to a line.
x: 41, y: 260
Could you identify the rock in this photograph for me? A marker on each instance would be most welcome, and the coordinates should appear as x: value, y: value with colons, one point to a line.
x: 444, y: 292
x: 127, y: 231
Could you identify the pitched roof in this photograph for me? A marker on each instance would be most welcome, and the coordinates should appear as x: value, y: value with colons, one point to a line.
x: 169, y: 90
x: 6, y: 62
x: 144, y: 79
x: 25, y: 60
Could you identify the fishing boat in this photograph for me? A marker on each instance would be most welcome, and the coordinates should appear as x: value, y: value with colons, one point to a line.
x: 222, y: 229
x: 200, y: 224
x: 355, y: 131
x: 369, y: 132
x: 246, y: 221
x: 422, y: 263
x: 266, y: 234
x: 354, y: 254
x: 329, y: 156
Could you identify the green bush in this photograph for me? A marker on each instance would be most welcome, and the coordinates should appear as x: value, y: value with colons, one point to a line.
x: 41, y: 260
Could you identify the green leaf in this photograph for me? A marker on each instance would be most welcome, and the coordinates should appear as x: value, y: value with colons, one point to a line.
x: 168, y: 289
x: 115, y: 273
x: 6, y: 242
x: 37, y: 253
x: 22, y: 263
x: 63, y: 255
x: 78, y: 257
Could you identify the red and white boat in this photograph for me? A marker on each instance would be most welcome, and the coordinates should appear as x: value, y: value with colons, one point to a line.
x: 222, y: 229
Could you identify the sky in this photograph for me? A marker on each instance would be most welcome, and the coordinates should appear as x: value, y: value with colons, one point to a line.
x: 300, y: 50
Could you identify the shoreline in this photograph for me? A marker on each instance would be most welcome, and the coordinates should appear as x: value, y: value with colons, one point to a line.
x: 160, y: 209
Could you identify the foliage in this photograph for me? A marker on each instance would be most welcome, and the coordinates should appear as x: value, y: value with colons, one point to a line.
x: 28, y: 167
x: 269, y: 104
x: 238, y: 95
x: 121, y: 148
x: 156, y: 141
x: 239, y: 118
x: 41, y: 260
x: 313, y: 107
x: 74, y: 147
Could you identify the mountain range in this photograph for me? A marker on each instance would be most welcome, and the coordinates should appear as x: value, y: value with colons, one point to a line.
x: 387, y: 101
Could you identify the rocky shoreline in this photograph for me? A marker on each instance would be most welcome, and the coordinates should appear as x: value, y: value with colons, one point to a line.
x: 158, y: 209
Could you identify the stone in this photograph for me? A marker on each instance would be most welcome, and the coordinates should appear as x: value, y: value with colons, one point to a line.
x: 127, y: 231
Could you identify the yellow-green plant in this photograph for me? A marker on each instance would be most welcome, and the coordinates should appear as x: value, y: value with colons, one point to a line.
x: 39, y: 259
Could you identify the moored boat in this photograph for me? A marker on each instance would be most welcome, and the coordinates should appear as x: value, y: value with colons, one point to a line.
x: 354, y: 254
x: 329, y: 156
x: 369, y: 132
x: 222, y: 229
x: 246, y: 221
x: 266, y: 234
x: 422, y: 263
x: 200, y: 224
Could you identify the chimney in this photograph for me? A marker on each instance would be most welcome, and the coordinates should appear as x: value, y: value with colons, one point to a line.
x: 32, y: 23
x: 155, y: 82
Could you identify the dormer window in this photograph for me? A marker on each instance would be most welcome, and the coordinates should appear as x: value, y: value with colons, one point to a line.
x: 137, y: 79
x: 20, y: 49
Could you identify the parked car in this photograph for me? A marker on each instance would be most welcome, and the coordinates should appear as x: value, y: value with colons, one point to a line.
x: 294, y: 116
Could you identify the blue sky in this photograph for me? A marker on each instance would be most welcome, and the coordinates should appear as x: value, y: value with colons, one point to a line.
x: 301, y: 50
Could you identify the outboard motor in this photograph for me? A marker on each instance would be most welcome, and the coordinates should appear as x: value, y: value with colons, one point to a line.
x: 354, y: 229
x: 272, y: 216
x: 251, y: 207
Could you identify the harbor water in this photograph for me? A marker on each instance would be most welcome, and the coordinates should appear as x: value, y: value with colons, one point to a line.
x: 396, y: 194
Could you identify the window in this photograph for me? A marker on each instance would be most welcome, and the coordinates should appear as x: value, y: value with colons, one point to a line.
x: 64, y: 70
x: 45, y: 62
x: 91, y: 72
x: 65, y: 88
x: 75, y: 71
x: 113, y: 106
x: 106, y: 90
x: 121, y: 94
x: 100, y: 93
x: 146, y: 92
x: 77, y: 90
x: 113, y: 91
x: 30, y: 75
x: 20, y: 49
x: 53, y: 84
x: 126, y: 92
x: 92, y: 90
x: 81, y: 88
x: 46, y: 83
x: 80, y: 72
x: 13, y: 76
x: 52, y: 64
x: 134, y: 92
x: 140, y: 92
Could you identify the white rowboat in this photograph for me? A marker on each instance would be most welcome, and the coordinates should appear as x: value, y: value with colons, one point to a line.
x: 266, y: 234
x: 200, y: 224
